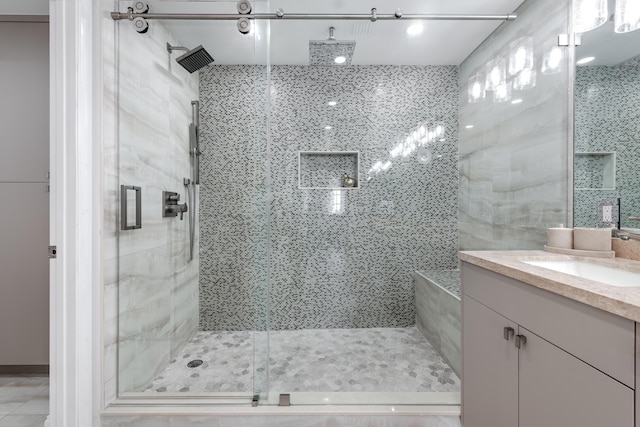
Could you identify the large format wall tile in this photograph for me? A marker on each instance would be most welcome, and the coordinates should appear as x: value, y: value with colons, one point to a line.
x: 336, y: 258
x: 513, y: 161
x: 438, y: 315
x: 151, y: 288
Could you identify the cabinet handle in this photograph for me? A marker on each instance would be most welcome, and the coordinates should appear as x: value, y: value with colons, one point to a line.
x: 508, y: 332
x: 521, y: 340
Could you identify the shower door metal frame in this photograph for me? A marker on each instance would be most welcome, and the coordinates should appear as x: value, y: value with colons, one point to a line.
x: 280, y: 15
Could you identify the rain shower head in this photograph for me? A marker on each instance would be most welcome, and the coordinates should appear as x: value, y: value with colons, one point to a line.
x: 194, y: 59
x: 331, y: 51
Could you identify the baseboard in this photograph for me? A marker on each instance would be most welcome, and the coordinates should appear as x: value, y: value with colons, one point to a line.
x: 24, y: 369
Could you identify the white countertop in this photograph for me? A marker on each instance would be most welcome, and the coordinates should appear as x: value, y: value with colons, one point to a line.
x: 624, y: 302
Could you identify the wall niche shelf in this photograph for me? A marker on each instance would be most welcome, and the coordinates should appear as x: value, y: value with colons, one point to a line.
x: 595, y: 170
x: 324, y: 169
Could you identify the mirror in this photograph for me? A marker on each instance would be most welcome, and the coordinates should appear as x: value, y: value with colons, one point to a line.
x: 607, y: 127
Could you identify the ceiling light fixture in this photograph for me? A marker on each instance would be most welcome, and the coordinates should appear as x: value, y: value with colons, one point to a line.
x: 496, y: 73
x: 525, y: 80
x: 517, y: 101
x: 590, y: 14
x: 327, y: 127
x: 552, y: 61
x: 468, y: 127
x: 627, y: 16
x: 476, y: 89
x: 415, y: 29
x: 585, y: 60
x: 520, y: 55
x: 340, y: 60
x: 502, y: 93
x: 332, y: 103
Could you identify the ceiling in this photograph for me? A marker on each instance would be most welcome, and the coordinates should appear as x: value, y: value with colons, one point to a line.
x: 379, y: 43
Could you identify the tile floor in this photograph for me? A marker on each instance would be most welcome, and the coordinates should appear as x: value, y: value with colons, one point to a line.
x: 24, y: 400
x: 319, y: 360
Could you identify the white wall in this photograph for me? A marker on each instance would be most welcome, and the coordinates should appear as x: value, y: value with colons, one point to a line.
x: 24, y: 7
x: 24, y: 219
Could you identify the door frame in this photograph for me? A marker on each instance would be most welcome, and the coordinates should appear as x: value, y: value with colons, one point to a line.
x: 75, y: 214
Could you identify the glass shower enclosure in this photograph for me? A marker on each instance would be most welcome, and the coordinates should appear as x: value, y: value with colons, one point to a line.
x: 328, y: 175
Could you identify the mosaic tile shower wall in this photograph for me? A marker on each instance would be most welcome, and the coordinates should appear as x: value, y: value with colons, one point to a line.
x: 338, y: 258
x: 607, y: 112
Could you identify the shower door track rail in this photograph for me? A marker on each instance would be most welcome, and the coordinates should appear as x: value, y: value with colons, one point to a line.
x: 116, y: 16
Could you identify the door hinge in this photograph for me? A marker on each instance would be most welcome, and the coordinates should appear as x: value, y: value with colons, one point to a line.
x: 569, y: 39
x: 53, y: 252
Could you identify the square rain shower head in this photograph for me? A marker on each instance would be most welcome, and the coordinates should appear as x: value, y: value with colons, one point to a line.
x: 195, y: 59
x: 324, y: 52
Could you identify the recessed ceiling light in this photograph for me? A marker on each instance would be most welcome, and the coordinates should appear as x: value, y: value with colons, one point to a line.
x: 585, y: 60
x: 327, y: 127
x: 332, y: 103
x: 468, y: 127
x: 340, y: 60
x: 415, y: 29
x: 516, y: 101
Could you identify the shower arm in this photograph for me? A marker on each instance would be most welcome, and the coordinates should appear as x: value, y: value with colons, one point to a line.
x: 116, y: 16
x: 170, y: 48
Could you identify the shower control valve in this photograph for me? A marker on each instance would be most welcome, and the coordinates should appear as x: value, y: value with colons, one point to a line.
x: 170, y: 205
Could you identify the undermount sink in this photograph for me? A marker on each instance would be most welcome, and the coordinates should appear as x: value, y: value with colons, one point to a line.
x: 598, y: 273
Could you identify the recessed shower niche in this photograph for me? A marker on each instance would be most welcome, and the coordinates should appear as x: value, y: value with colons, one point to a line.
x: 327, y: 169
x: 595, y: 171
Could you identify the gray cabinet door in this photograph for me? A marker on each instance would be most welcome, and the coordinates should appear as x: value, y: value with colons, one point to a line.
x: 557, y: 389
x: 24, y: 275
x: 489, y: 368
x: 24, y: 101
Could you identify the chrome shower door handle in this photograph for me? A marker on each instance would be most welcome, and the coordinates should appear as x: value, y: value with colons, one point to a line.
x: 124, y: 207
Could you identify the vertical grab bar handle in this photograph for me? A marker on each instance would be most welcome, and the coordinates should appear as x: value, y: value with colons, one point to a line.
x: 124, y: 207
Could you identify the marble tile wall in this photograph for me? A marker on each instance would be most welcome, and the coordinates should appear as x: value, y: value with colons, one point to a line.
x: 513, y: 161
x: 151, y: 288
x: 337, y: 258
x: 607, y: 111
x: 439, y: 314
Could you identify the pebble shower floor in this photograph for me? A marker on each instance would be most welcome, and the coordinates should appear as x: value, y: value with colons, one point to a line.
x: 312, y: 360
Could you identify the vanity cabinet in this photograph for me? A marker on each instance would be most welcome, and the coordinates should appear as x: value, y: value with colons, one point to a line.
x: 532, y: 358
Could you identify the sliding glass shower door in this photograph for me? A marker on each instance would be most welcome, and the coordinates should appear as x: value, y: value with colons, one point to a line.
x: 191, y: 324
